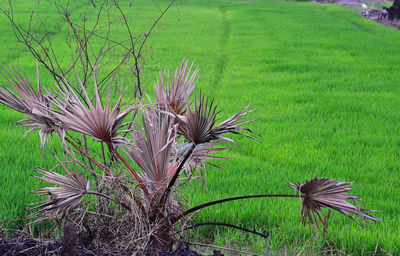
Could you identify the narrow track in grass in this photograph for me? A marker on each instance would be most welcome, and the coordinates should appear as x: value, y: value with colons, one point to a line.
x: 222, y: 58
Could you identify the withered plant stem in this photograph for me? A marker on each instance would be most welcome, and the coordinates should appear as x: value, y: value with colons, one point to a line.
x: 89, y: 157
x: 201, y: 206
x: 131, y: 170
x: 175, y: 177
x: 109, y: 174
x: 110, y: 198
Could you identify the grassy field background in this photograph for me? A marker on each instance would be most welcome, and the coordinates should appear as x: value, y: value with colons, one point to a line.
x: 326, y: 83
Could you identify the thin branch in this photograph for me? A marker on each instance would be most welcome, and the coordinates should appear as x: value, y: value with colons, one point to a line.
x: 24, y: 40
x: 153, y: 26
x: 89, y: 157
x: 131, y: 170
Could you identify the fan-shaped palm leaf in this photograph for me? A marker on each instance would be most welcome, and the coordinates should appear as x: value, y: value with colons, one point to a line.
x: 152, y: 149
x: 200, y: 156
x: 67, y: 193
x: 199, y: 124
x: 100, y: 123
x: 327, y: 193
x: 176, y: 94
x: 29, y: 102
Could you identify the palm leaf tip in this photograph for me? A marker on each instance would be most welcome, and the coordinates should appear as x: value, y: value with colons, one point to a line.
x: 92, y: 119
x: 26, y: 100
x: 65, y: 195
x: 176, y: 94
x: 326, y: 193
x: 199, y: 125
x: 151, y: 149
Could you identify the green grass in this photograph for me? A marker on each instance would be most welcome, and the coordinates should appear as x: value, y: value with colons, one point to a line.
x: 325, y: 81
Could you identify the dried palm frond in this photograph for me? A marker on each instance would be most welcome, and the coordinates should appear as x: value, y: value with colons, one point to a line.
x: 29, y: 102
x: 152, y: 150
x: 176, y: 94
x: 199, y: 124
x: 200, y: 156
x: 28, y: 99
x: 67, y: 193
x: 100, y: 123
x: 327, y: 193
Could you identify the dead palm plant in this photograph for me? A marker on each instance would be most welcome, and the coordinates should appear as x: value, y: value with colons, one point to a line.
x: 178, y: 134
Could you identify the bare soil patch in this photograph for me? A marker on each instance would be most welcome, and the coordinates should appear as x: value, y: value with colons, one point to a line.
x: 23, y: 246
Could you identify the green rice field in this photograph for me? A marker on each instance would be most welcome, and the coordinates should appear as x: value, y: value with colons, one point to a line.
x: 326, y: 84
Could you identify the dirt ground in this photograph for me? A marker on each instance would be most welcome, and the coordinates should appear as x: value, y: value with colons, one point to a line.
x: 370, y: 9
x: 23, y: 246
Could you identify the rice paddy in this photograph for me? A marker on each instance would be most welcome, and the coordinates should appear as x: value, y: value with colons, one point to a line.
x: 325, y: 82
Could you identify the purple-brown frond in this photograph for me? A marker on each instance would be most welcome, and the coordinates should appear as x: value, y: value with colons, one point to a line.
x: 326, y: 193
x: 151, y: 149
x: 176, y: 93
x: 82, y: 116
x: 199, y: 124
x: 34, y: 104
x: 65, y: 195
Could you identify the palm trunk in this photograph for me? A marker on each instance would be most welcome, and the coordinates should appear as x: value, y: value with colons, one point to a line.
x: 161, y: 239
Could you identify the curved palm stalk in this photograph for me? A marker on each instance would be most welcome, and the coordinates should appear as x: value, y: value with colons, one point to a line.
x: 137, y: 177
x: 317, y: 194
x: 29, y: 102
x: 66, y: 195
x: 229, y: 226
x: 177, y: 93
x: 112, y: 199
x: 171, y: 183
x: 89, y: 157
x: 199, y: 127
x: 201, y: 206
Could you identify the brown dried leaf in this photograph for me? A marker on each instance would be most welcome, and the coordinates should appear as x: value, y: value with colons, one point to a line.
x: 66, y: 194
x: 29, y: 102
x: 329, y: 194
x: 176, y: 94
x: 83, y: 117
